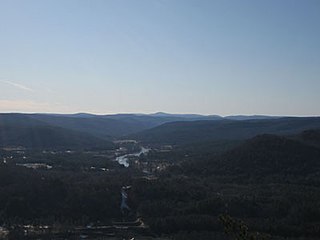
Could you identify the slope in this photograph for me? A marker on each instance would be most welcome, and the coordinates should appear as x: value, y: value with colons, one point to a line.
x: 178, y: 133
x: 263, y: 157
x: 20, y: 130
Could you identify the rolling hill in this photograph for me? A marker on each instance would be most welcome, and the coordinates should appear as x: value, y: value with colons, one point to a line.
x: 47, y: 137
x: 102, y: 126
x: 108, y: 126
x: 265, y: 156
x: 179, y: 133
x: 271, y: 154
x: 157, y: 128
x: 98, y: 126
x: 20, y: 130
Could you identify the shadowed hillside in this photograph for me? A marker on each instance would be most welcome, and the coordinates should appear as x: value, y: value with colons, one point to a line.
x: 199, y: 131
x: 47, y: 137
x: 266, y: 155
x: 19, y: 130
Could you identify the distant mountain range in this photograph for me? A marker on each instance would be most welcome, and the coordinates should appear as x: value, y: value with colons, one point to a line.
x: 109, y: 126
x: 82, y: 129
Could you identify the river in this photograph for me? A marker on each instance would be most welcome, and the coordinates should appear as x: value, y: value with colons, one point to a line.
x: 123, y: 159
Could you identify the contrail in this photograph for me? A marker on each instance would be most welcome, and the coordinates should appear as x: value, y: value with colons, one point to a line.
x: 17, y: 85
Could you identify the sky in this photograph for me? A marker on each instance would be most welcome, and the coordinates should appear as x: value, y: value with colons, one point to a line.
x: 221, y: 57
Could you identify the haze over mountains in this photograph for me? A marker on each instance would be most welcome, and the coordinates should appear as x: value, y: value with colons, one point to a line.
x: 82, y: 129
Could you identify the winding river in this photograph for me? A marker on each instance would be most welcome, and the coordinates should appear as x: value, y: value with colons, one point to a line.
x: 123, y: 159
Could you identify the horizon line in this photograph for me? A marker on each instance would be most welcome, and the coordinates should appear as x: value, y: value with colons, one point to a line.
x: 153, y: 113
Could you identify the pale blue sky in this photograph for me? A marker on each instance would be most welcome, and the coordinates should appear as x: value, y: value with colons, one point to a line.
x: 211, y: 57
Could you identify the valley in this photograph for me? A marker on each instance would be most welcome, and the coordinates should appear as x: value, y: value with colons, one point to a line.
x: 178, y: 189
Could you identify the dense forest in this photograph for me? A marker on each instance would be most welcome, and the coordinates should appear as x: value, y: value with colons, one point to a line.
x: 263, y: 187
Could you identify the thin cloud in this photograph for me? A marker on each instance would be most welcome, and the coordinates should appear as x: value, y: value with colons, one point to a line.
x: 31, y: 106
x: 17, y: 85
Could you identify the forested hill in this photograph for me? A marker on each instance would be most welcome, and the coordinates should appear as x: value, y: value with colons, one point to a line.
x: 265, y: 156
x: 47, y: 137
x: 18, y: 130
x: 199, y: 131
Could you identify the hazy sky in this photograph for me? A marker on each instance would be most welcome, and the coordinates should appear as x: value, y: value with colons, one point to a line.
x: 211, y: 57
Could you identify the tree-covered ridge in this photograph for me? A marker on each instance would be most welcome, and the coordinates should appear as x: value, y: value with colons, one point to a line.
x: 264, y: 156
x: 180, y: 133
x: 48, y: 137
